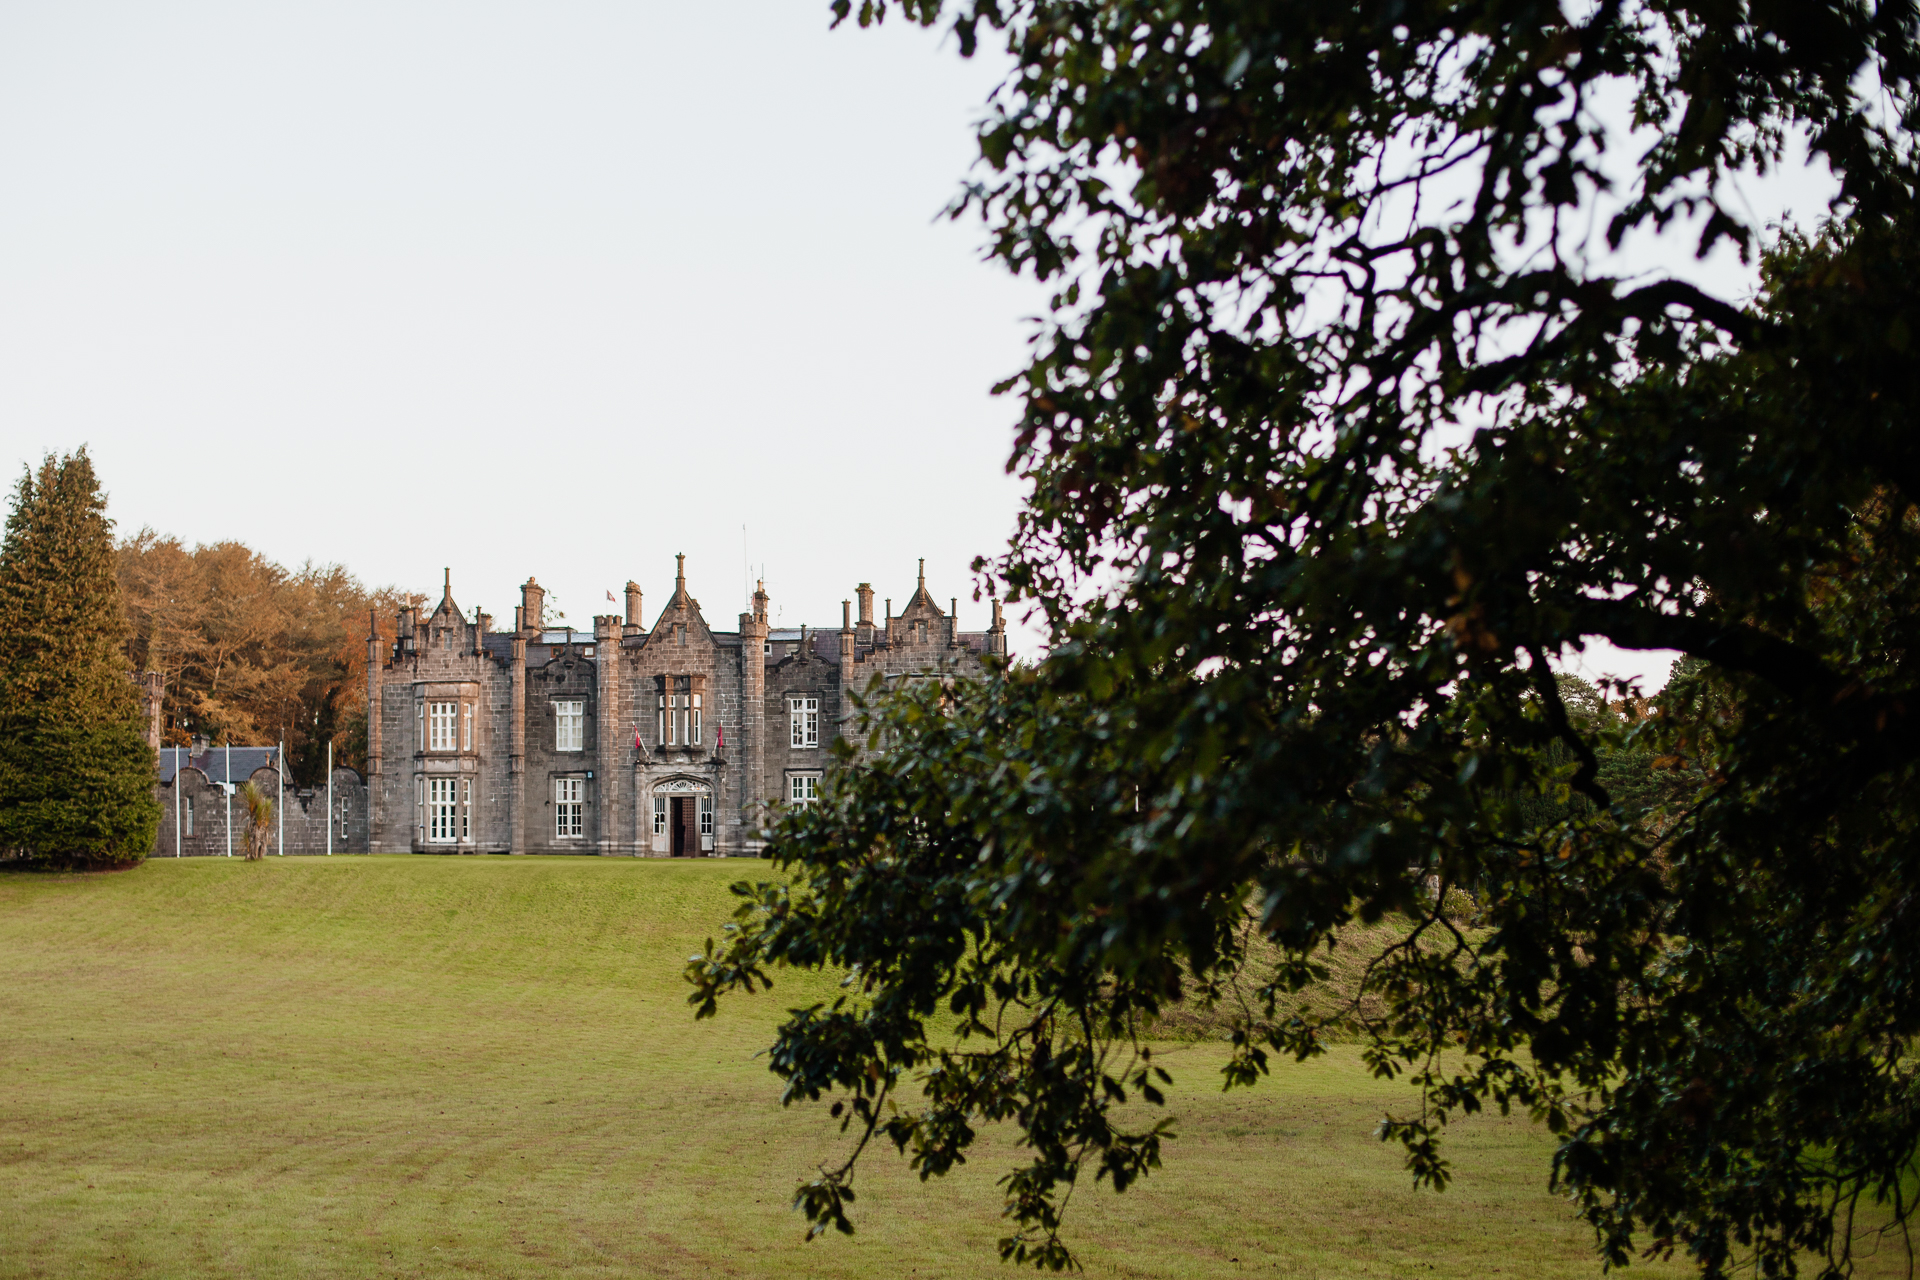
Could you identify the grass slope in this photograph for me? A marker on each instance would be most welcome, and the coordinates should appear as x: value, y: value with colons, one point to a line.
x: 485, y: 1067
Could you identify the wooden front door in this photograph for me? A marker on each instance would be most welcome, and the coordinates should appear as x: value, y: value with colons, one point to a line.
x: 685, y: 837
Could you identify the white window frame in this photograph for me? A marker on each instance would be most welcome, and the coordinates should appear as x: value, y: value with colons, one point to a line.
x: 659, y: 816
x: 570, y: 724
x: 466, y: 728
x: 189, y: 814
x: 466, y: 810
x: 706, y: 822
x: 346, y: 811
x: 695, y: 715
x: 803, y: 723
x: 443, y: 722
x: 803, y: 789
x: 420, y: 726
x: 569, y: 805
x: 443, y: 810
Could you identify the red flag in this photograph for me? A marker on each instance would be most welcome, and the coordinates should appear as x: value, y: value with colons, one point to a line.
x: 636, y: 739
x: 719, y: 737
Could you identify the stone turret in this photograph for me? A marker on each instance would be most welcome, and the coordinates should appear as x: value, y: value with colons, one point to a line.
x: 517, y: 733
x: 611, y: 723
x: 753, y: 716
x: 377, y: 807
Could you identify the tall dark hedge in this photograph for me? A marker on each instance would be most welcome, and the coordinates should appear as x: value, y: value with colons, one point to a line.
x: 76, y: 773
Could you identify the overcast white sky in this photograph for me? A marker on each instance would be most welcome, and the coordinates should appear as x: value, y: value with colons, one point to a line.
x: 557, y: 289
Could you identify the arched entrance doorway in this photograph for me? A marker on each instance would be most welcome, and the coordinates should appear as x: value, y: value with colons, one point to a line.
x: 682, y: 819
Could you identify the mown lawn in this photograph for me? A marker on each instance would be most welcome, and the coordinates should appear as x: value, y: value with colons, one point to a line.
x: 485, y: 1067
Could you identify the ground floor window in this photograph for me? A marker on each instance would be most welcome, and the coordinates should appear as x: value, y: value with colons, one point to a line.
x: 659, y: 815
x: 189, y: 814
x: 803, y: 788
x: 706, y: 817
x: 568, y: 800
x: 442, y: 806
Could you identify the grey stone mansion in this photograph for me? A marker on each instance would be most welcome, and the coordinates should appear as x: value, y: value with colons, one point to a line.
x: 667, y: 740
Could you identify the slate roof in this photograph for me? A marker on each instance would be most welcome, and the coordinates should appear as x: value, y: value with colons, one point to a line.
x: 213, y: 762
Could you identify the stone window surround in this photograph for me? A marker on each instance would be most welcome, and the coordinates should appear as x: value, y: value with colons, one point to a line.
x: 469, y: 718
x: 795, y: 780
x: 803, y: 720
x: 586, y: 718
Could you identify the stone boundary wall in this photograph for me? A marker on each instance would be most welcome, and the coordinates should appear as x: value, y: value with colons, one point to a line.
x: 304, y: 810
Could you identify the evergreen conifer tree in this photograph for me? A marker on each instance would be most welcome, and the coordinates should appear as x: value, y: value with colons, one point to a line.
x: 76, y: 773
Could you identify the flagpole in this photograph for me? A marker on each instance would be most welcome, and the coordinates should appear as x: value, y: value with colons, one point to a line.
x: 227, y: 788
x: 329, y: 797
x: 279, y: 807
x: 176, y: 802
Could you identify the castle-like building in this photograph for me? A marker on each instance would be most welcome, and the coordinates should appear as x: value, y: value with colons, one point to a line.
x: 662, y: 741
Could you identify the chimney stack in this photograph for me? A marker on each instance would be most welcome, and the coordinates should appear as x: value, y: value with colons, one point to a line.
x: 533, y: 606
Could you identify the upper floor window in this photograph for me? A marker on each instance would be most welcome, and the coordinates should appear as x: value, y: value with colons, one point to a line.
x: 570, y: 725
x: 680, y: 709
x: 466, y: 726
x: 803, y: 722
x: 441, y: 718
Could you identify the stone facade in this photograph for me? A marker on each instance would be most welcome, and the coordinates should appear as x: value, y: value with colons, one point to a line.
x: 636, y: 741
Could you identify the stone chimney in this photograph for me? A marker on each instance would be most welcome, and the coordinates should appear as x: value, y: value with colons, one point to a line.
x: 533, y: 607
x: 634, y: 625
x: 865, y: 594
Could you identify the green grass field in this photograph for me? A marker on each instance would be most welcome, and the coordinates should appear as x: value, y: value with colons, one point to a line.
x: 486, y: 1067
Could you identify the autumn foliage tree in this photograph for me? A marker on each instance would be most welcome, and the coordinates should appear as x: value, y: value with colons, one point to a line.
x: 252, y: 651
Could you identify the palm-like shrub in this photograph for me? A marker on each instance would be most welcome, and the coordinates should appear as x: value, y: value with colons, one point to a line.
x: 259, y: 819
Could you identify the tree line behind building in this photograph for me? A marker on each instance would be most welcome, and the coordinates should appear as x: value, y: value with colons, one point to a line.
x: 252, y: 652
